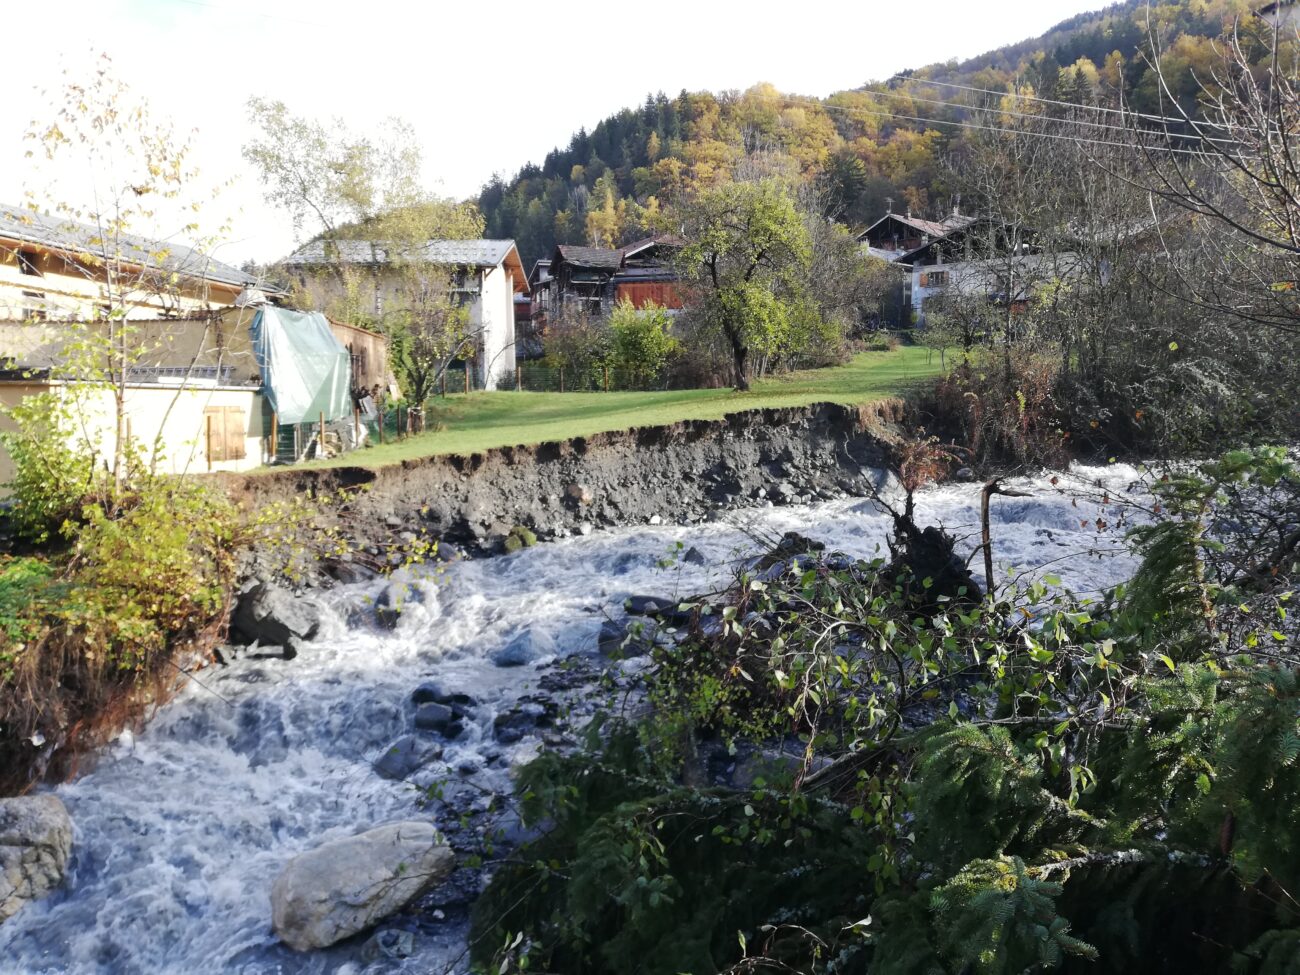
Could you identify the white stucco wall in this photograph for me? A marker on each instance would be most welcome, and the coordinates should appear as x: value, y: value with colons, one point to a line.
x: 982, y: 277
x: 153, y: 410
x: 496, y: 310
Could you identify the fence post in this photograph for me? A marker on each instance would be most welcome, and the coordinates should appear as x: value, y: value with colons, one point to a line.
x: 380, y: 407
x: 275, y: 435
x: 561, y: 379
x: 519, y: 378
x: 321, y: 453
x: 466, y: 379
x: 443, y: 381
x: 356, y: 424
x: 208, y: 439
x: 607, y: 379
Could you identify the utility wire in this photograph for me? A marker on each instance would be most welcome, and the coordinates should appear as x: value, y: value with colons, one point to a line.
x: 1165, y: 119
x: 1007, y: 131
x: 1027, y: 115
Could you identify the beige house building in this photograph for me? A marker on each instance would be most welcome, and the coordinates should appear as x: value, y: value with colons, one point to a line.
x: 485, y: 275
x: 193, y: 402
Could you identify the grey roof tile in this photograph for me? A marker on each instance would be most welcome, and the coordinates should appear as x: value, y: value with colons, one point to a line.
x: 60, y: 233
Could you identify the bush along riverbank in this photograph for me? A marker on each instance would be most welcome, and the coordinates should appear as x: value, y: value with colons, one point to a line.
x: 123, y: 583
x: 927, y: 778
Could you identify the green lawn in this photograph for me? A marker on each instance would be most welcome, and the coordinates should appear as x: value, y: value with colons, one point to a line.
x: 483, y: 420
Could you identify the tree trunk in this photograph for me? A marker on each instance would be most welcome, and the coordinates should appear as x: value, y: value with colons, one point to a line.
x: 740, y: 366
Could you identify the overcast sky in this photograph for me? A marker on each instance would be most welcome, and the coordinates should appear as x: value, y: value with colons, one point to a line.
x: 488, y: 86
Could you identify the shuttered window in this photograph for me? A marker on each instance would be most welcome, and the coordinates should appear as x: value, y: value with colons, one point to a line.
x: 225, y: 428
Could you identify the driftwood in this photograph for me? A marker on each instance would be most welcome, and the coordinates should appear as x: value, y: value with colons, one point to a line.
x: 986, y: 535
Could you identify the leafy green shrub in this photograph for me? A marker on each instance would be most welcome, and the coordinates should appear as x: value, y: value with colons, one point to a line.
x: 641, y: 341
x: 1035, y: 782
x: 52, y: 476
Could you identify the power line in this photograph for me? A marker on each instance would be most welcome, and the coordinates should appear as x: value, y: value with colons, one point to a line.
x: 1164, y: 119
x: 1006, y: 131
x: 1026, y: 115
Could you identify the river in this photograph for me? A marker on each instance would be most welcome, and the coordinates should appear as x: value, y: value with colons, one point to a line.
x: 182, y: 828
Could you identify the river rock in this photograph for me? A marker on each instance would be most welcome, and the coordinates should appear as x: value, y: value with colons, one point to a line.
x: 406, y: 755
x: 435, y: 692
x: 393, y: 601
x: 627, y: 638
x: 440, y: 718
x: 345, y: 886
x: 694, y: 556
x: 648, y: 605
x: 35, y: 843
x: 520, y: 650
x: 269, y: 615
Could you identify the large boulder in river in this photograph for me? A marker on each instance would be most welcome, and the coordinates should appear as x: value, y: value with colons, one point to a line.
x: 270, y: 616
x: 35, y: 843
x: 346, y: 886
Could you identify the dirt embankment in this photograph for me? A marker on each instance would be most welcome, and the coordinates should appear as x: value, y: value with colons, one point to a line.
x: 678, y: 473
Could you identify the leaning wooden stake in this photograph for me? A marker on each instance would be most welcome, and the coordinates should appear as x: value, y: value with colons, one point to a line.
x: 322, y: 434
x: 986, y: 535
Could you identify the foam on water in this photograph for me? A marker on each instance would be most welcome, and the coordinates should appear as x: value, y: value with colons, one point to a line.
x: 181, y: 830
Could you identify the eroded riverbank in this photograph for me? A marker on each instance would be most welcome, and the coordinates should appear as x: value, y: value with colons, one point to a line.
x: 181, y: 830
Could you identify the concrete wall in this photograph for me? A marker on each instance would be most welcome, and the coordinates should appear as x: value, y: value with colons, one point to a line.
x: 153, y: 410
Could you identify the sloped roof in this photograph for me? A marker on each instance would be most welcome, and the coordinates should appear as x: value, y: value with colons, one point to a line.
x: 476, y: 252
x: 666, y: 240
x: 935, y: 228
x: 471, y: 253
x: 23, y: 225
x: 595, y: 257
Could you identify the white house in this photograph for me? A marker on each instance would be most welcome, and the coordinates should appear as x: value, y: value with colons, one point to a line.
x: 485, y: 274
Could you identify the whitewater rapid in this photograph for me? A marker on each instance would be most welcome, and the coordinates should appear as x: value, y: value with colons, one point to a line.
x: 181, y: 829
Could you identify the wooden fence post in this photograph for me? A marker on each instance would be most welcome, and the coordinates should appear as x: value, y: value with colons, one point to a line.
x: 443, y: 382
x: 519, y: 378
x: 321, y: 452
x: 561, y: 379
x: 356, y: 425
x: 208, y: 439
x: 607, y: 379
x: 275, y: 435
x: 467, y: 379
x: 380, y: 407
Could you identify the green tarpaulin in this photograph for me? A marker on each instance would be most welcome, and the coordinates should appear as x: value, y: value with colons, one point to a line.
x: 306, y: 371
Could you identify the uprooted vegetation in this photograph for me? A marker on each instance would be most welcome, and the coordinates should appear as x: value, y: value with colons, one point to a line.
x: 1027, y: 780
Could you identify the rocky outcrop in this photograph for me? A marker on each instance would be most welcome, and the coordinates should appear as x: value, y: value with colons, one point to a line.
x: 270, y: 616
x: 672, y: 474
x: 346, y: 886
x: 35, y: 844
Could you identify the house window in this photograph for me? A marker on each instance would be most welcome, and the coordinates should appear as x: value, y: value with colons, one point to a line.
x: 938, y: 279
x: 27, y: 263
x: 34, y: 306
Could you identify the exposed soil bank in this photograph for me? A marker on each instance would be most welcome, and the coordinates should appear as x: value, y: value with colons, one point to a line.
x: 678, y: 473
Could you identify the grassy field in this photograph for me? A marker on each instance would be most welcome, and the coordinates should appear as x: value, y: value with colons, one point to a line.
x: 483, y: 420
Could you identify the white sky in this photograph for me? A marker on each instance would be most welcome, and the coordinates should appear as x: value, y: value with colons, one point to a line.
x: 488, y: 86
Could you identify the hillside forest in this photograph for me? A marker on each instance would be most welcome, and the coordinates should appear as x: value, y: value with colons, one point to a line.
x: 883, y: 145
